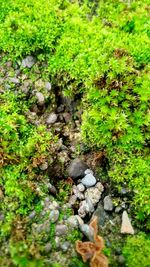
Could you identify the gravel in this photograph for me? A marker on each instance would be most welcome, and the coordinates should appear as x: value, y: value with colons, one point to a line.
x: 89, y: 180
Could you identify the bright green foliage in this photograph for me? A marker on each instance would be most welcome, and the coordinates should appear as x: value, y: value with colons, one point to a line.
x: 137, y: 251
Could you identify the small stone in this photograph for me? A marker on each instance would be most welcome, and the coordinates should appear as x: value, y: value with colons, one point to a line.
x: 52, y: 189
x: 48, y: 86
x: 72, y: 200
x: 108, y: 205
x: 32, y: 214
x: 87, y: 231
x: 121, y: 259
x: 90, y: 205
x: 80, y: 221
x: 40, y: 98
x: 126, y: 227
x: 57, y: 241
x: 73, y: 221
x: 89, y: 180
x: 54, y: 205
x: 48, y: 247
x: 28, y: 62
x: 14, y: 80
x: 54, y: 215
x: 77, y: 168
x: 94, y: 194
x: 61, y: 229
x: 60, y: 108
x: 2, y: 217
x: 118, y: 209
x: 83, y: 209
x: 67, y: 117
x: 88, y: 171
x: 51, y: 119
x: 65, y: 246
x: 81, y: 187
x: 44, y: 166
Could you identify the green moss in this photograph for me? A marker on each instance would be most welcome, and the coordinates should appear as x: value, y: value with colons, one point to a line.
x: 137, y: 251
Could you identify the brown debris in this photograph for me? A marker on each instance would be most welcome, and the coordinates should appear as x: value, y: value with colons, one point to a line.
x: 93, y: 250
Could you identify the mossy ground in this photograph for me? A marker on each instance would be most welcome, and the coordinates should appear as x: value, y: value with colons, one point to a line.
x: 98, y: 52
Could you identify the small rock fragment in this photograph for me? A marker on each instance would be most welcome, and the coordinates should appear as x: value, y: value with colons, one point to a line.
x: 73, y: 221
x: 28, y: 62
x: 14, y: 80
x: 61, y: 229
x: 87, y: 231
x: 81, y: 187
x: 72, y: 200
x: 90, y: 205
x: 48, y: 86
x: 77, y: 168
x: 65, y: 246
x: 126, y: 227
x: 48, y: 247
x: 44, y: 166
x: 89, y: 180
x: 54, y: 215
x: 94, y: 194
x: 32, y: 214
x: 108, y: 205
x: 40, y: 98
x: 88, y: 171
x: 51, y: 119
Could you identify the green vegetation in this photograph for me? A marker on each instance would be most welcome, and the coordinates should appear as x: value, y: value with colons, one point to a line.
x: 101, y: 54
x: 137, y: 251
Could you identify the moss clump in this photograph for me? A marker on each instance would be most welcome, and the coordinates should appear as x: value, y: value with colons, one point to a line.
x: 137, y: 251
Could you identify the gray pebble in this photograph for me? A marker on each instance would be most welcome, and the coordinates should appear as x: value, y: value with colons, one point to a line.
x: 61, y: 229
x: 28, y: 62
x: 87, y: 231
x: 65, y: 246
x: 48, y: 247
x: 88, y: 171
x: 90, y: 204
x: 72, y: 200
x: 89, y: 180
x: 54, y: 215
x: 81, y: 187
x: 14, y: 80
x: 40, y: 98
x: 108, y: 205
x: 51, y: 119
x: 32, y: 214
x: 48, y: 86
x: 77, y: 168
x: 73, y: 221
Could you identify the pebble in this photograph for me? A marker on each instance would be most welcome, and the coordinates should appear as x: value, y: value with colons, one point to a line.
x: 54, y: 215
x: 61, y: 229
x: 14, y: 80
x: 87, y: 231
x: 89, y: 180
x: 28, y: 62
x: 90, y: 204
x: 40, y: 98
x: 118, y: 209
x: 94, y: 194
x: 72, y: 200
x: 81, y: 187
x: 73, y: 221
x: 48, y: 86
x: 108, y: 205
x: 83, y: 209
x: 88, y: 171
x: 48, y: 247
x: 126, y: 227
x: 77, y: 168
x: 32, y: 214
x: 51, y: 119
x: 54, y: 205
x: 65, y: 246
x: 44, y: 166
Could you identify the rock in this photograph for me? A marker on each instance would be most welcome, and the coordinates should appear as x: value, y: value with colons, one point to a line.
x: 81, y: 187
x: 72, y: 200
x: 118, y: 209
x: 101, y: 215
x: 40, y: 98
x: 61, y: 229
x: 48, y: 247
x: 90, y: 205
x: 83, y: 209
x: 126, y: 227
x: 14, y: 80
x: 108, y: 205
x: 54, y: 205
x: 65, y: 246
x: 87, y: 231
x: 67, y: 116
x: 80, y: 221
x: 44, y: 166
x: 52, y: 189
x: 32, y: 214
x: 48, y: 86
x: 60, y: 108
x: 94, y: 194
x: 121, y: 259
x: 51, y: 119
x: 54, y: 215
x: 88, y: 171
x: 73, y: 221
x: 77, y: 168
x: 28, y: 62
x: 89, y: 180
